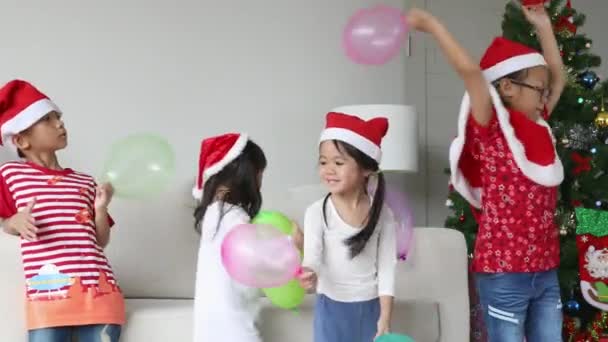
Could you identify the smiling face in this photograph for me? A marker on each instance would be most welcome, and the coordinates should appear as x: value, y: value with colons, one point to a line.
x: 338, y: 170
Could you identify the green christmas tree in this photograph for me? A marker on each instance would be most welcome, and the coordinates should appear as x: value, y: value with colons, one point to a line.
x: 580, y: 126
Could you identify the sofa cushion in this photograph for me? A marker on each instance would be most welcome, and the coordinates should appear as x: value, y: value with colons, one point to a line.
x: 156, y: 320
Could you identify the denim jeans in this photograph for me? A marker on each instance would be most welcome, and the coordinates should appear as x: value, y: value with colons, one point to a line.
x: 518, y: 305
x: 345, y: 321
x: 84, y: 333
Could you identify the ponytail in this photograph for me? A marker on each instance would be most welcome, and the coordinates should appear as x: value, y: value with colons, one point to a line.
x: 357, y: 242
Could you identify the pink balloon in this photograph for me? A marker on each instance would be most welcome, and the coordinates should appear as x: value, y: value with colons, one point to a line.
x: 374, y: 35
x: 260, y: 256
x: 398, y: 203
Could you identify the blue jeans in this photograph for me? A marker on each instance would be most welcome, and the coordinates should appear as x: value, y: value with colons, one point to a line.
x: 345, y: 321
x: 521, y: 304
x: 84, y: 333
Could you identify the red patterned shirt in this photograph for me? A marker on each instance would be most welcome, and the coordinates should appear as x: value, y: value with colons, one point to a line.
x: 516, y: 231
x: 68, y: 279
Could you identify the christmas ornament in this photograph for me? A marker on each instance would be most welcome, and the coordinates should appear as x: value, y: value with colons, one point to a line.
x: 461, y: 218
x: 588, y: 79
x: 563, y: 231
x: 565, y: 25
x: 572, y: 307
x: 533, y: 2
x: 582, y: 164
x: 582, y: 137
x: 449, y: 203
x: 601, y: 120
x: 588, y: 45
x: 592, y: 244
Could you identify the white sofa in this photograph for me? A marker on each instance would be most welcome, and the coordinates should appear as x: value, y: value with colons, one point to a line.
x: 432, y: 299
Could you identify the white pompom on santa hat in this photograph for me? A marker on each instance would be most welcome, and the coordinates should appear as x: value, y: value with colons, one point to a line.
x: 217, y: 152
x: 366, y: 136
x: 503, y: 57
x: 21, y: 106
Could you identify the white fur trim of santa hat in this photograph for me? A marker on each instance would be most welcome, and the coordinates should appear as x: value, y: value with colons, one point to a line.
x: 546, y: 175
x: 233, y: 153
x: 360, y: 142
x: 513, y: 64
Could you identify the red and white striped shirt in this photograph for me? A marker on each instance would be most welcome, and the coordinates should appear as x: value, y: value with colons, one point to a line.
x: 66, y: 251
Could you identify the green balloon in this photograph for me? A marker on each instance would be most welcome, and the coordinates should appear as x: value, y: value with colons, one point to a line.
x: 394, y: 338
x: 288, y: 296
x: 275, y: 219
x: 139, y: 166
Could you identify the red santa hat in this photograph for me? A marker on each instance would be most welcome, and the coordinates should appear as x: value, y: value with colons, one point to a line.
x: 21, y: 106
x: 366, y: 136
x: 502, y: 58
x: 217, y: 152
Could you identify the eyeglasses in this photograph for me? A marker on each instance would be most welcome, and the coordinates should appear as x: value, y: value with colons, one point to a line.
x: 543, y: 92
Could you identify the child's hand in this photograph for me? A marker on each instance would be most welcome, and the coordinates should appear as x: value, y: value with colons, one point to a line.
x: 419, y: 20
x: 103, y: 196
x: 22, y: 223
x: 537, y: 16
x: 383, y: 328
x: 308, y: 279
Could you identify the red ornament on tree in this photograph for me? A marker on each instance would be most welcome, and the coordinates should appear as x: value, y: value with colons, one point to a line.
x: 533, y: 2
x: 566, y: 24
x: 461, y: 218
x: 583, y: 164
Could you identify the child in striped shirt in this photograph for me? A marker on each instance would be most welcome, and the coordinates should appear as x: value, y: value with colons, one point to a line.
x: 61, y: 217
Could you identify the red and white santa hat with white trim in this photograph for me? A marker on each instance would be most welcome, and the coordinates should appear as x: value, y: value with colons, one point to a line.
x: 217, y: 152
x: 366, y: 136
x: 503, y: 57
x: 21, y: 106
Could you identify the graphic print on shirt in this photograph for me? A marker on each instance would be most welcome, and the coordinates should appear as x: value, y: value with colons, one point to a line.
x: 68, y: 278
x: 48, y: 283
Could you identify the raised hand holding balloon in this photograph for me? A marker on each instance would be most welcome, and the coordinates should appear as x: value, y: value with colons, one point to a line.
x: 374, y: 35
x: 139, y: 166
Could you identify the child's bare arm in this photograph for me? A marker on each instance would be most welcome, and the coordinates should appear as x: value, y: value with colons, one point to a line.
x: 298, y: 237
x: 470, y: 72
x: 539, y: 18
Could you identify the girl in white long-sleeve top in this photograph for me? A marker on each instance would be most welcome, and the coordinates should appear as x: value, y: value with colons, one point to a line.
x: 349, y: 237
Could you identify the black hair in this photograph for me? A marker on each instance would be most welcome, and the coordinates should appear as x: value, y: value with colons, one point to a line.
x: 357, y: 242
x: 519, y: 75
x: 241, y: 178
x: 20, y: 154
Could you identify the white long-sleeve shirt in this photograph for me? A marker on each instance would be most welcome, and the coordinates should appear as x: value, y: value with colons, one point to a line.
x: 223, y: 309
x: 367, y: 276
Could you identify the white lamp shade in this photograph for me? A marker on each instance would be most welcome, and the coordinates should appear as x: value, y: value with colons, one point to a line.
x: 400, y: 145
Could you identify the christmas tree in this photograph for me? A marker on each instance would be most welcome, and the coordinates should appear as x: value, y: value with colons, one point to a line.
x: 580, y: 126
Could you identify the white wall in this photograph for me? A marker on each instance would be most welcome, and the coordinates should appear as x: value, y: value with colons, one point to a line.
x: 188, y: 69
x: 595, y: 28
